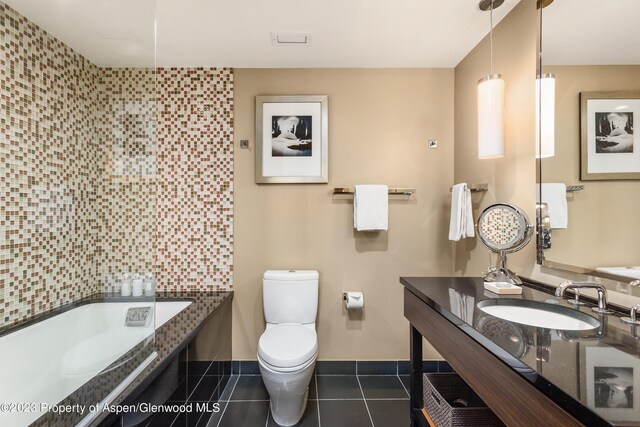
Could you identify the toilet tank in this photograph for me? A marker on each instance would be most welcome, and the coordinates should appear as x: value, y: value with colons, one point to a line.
x: 290, y: 296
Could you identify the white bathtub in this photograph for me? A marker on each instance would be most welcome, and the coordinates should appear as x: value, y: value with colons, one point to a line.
x: 45, y: 362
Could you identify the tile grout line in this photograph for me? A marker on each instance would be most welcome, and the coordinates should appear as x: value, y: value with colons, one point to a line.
x: 194, y: 389
x: 351, y: 375
x: 228, y: 401
x: 324, y: 399
x: 405, y: 389
x: 318, y: 397
x: 174, y: 420
x: 266, y: 422
x: 186, y: 380
x: 365, y: 401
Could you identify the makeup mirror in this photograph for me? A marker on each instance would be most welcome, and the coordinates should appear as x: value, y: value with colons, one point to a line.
x: 503, y: 229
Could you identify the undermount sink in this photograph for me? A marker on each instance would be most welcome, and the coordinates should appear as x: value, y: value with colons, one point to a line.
x: 539, y: 314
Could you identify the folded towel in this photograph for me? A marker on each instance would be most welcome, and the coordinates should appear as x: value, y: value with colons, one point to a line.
x: 371, y: 208
x: 461, y: 223
x: 555, y: 196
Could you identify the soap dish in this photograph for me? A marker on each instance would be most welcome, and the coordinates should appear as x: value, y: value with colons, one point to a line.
x: 503, y: 288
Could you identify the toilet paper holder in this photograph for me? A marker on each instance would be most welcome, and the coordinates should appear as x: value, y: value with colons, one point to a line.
x: 353, y: 300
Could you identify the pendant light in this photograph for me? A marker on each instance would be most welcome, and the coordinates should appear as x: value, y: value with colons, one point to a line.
x: 490, y: 101
x: 545, y: 115
x: 545, y: 107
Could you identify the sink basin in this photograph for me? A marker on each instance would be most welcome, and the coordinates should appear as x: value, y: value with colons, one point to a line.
x: 539, y: 314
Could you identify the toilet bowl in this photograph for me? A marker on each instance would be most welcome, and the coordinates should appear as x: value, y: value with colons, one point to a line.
x: 287, y: 357
x: 288, y: 348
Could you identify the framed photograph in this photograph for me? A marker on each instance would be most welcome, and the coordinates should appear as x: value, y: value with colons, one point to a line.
x: 609, y: 146
x: 611, y: 376
x: 292, y: 141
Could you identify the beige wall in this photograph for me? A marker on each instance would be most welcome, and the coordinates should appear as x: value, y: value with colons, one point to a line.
x: 603, y: 219
x: 512, y: 178
x: 379, y: 123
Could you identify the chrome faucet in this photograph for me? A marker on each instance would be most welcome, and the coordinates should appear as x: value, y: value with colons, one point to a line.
x: 602, y: 293
x: 632, y: 319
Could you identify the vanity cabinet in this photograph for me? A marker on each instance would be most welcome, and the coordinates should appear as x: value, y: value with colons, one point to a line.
x: 546, y: 384
x: 510, y: 396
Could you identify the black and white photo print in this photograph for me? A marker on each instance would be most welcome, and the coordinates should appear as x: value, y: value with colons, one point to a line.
x: 291, y: 136
x: 613, y: 387
x: 614, y: 132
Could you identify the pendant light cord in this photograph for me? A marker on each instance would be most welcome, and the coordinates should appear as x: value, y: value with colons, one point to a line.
x: 491, y: 41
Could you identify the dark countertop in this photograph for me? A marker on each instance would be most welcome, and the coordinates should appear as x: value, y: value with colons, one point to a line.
x: 168, y: 341
x: 561, y: 364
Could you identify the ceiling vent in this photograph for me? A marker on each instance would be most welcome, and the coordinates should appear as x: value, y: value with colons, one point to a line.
x: 290, y: 39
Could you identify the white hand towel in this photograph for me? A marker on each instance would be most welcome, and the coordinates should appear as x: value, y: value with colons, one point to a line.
x: 371, y: 208
x: 468, y: 207
x: 555, y: 196
x: 461, y: 222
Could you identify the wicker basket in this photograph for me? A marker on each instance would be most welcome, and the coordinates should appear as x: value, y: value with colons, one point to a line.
x: 442, y: 389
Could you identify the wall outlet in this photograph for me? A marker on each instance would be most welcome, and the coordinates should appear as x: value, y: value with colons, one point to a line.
x: 432, y: 144
x: 244, y: 144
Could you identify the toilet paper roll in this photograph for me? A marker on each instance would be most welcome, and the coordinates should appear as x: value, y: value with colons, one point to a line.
x: 354, y: 300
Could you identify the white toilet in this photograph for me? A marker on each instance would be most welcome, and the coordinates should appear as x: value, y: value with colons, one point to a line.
x: 288, y: 347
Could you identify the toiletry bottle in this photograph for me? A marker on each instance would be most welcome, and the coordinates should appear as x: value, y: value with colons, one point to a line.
x: 136, y: 285
x: 125, y: 285
x: 149, y: 285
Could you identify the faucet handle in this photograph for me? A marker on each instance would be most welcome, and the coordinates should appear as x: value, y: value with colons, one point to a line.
x: 576, y: 299
x: 633, y: 319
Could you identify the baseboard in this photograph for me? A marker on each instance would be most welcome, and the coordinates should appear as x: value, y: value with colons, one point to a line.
x: 352, y: 367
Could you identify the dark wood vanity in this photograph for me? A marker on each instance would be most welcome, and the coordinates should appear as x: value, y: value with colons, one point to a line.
x: 519, y: 394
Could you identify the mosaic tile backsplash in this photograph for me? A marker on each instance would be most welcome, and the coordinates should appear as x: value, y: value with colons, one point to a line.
x: 127, y: 182
x: 195, y: 177
x: 108, y: 170
x: 49, y: 224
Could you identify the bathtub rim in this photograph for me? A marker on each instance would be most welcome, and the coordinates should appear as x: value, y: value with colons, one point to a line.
x: 97, y: 298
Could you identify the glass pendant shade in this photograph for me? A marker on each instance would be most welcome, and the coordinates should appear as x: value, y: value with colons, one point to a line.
x: 491, y: 117
x: 545, y: 115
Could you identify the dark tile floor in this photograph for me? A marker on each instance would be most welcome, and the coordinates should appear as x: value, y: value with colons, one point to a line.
x: 334, y: 401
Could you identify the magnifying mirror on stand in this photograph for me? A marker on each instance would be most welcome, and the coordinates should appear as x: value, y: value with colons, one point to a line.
x: 503, y: 229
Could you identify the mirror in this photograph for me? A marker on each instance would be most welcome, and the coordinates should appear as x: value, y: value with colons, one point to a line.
x: 503, y: 229
x: 589, y: 144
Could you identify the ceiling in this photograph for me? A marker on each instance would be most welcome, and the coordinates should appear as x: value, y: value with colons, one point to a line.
x: 345, y: 33
x: 591, y: 32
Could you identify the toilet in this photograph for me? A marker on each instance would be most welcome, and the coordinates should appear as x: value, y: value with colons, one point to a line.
x: 288, y: 347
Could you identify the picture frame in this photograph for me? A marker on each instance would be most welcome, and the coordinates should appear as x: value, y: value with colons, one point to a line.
x: 609, y: 145
x: 292, y: 139
x: 609, y: 376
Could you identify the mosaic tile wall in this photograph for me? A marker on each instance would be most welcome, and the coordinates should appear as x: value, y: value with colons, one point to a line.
x: 126, y: 129
x: 49, y: 228
x: 195, y: 177
x: 103, y: 172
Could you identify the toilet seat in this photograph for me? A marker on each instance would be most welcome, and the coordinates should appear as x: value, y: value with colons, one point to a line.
x: 288, y: 347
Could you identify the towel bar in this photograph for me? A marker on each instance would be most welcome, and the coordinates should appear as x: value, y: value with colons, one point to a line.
x: 392, y: 191
x: 476, y: 188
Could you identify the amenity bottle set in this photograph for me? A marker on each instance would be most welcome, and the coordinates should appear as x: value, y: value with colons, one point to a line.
x: 138, y: 285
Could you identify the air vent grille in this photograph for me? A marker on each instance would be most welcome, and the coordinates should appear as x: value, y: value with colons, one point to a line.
x: 290, y: 39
